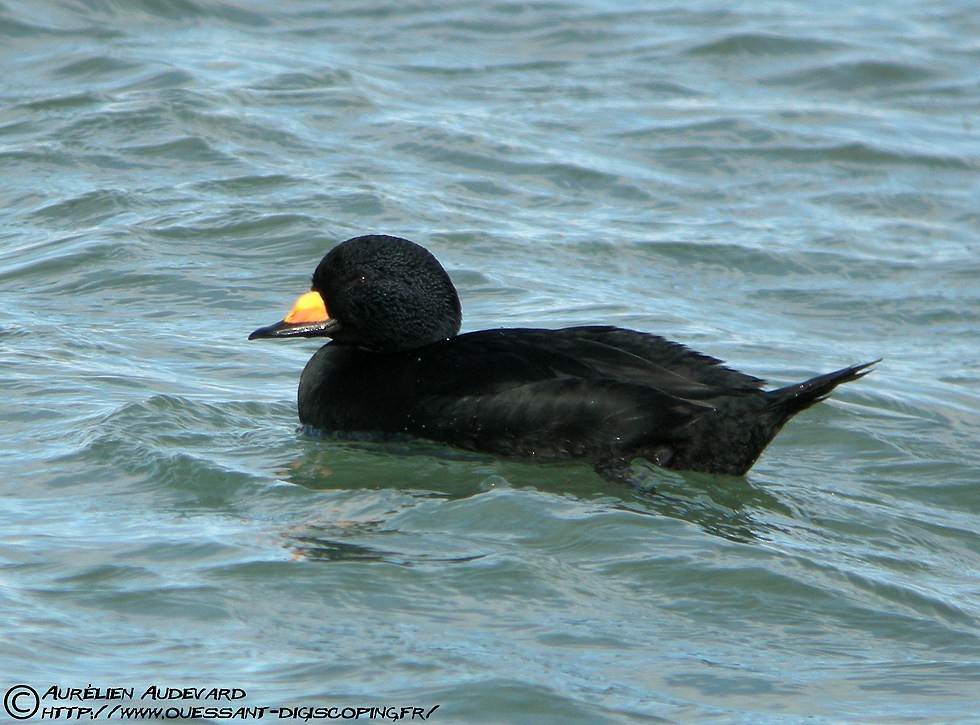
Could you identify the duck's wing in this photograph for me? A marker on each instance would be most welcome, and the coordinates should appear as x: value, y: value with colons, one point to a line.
x: 554, y: 393
x: 557, y: 418
x: 606, y: 353
x: 659, y: 361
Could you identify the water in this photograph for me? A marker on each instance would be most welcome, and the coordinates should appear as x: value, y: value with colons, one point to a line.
x: 790, y: 187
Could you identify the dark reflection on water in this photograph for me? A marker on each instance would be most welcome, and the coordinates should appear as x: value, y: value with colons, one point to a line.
x: 726, y: 506
x: 731, y: 507
x: 314, y: 548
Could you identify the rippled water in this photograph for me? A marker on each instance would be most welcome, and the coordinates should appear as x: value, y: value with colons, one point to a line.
x: 791, y: 187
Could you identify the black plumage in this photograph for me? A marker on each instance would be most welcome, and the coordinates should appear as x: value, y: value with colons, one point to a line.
x: 397, y: 365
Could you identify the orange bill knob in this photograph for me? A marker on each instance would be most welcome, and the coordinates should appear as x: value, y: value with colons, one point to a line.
x: 308, y: 308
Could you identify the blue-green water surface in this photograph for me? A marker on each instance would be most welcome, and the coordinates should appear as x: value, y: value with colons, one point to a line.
x: 792, y: 187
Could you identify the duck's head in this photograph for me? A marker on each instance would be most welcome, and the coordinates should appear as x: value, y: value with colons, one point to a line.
x: 377, y: 292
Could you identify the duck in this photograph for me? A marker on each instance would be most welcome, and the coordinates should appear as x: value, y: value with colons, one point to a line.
x: 395, y: 364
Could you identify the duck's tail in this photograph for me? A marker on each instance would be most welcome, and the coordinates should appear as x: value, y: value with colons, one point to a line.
x: 794, y: 398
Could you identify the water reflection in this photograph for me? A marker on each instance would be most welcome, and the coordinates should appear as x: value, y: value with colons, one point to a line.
x: 383, y: 481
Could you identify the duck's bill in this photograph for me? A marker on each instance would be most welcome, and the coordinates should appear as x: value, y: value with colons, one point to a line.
x: 324, y: 328
x: 308, y: 318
